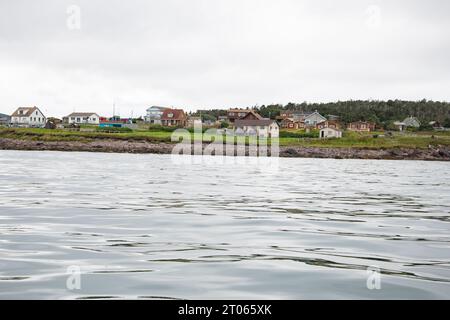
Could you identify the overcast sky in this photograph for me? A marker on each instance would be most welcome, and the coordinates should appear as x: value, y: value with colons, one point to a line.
x: 196, y: 54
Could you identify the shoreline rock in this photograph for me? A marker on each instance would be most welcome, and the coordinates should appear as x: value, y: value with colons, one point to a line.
x: 140, y: 147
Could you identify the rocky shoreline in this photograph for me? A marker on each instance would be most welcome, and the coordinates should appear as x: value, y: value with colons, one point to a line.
x: 128, y: 146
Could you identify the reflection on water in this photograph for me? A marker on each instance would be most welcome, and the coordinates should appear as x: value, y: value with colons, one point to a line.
x: 142, y: 226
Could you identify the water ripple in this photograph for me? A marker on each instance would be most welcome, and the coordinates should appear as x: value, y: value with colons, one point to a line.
x: 144, y: 227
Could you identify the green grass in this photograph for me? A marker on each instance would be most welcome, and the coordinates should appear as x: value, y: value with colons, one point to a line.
x: 66, y: 135
x: 367, y: 140
x: 349, y: 140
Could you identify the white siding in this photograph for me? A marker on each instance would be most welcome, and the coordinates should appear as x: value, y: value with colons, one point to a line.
x: 330, y: 133
x: 260, y: 131
x: 92, y: 119
x: 314, y: 119
x: 36, y: 119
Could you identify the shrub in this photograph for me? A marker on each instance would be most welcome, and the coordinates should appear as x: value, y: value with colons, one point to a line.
x: 446, y: 123
x: 426, y: 127
x: 224, y: 125
x: 158, y: 127
x: 191, y: 130
x: 299, y: 134
x: 113, y: 129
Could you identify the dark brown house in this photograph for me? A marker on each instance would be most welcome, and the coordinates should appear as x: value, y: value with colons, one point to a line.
x: 252, y: 115
x: 235, y: 114
x: 291, y: 124
x: 361, y: 126
x: 328, y: 124
x: 174, y: 118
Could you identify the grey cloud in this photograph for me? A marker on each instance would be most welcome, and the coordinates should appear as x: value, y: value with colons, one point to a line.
x: 219, y: 53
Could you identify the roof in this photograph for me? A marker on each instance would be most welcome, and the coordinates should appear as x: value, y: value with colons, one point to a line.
x: 157, y: 107
x: 330, y: 128
x: 290, y: 120
x: 412, y: 119
x: 330, y: 122
x: 178, y: 114
x: 82, y: 114
x: 313, y: 113
x: 253, y: 123
x: 258, y: 116
x: 362, y: 122
x: 26, y: 112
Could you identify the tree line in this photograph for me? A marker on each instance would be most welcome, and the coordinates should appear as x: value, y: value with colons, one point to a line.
x: 383, y: 113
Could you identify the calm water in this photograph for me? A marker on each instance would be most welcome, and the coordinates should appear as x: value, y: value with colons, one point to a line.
x: 144, y: 226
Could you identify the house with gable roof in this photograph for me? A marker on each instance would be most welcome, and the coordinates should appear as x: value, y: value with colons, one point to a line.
x: 28, y: 117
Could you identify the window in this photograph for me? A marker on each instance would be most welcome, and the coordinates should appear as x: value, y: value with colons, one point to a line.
x: 170, y: 115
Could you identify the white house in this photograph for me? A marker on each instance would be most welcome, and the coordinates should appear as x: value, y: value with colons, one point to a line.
x: 412, y: 122
x: 83, y: 118
x: 326, y: 133
x: 28, y: 117
x: 314, y: 118
x: 408, y: 122
x: 154, y: 115
x: 265, y: 128
x: 400, y: 125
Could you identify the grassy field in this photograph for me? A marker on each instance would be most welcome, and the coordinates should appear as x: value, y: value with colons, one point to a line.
x: 350, y: 139
x: 66, y: 135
